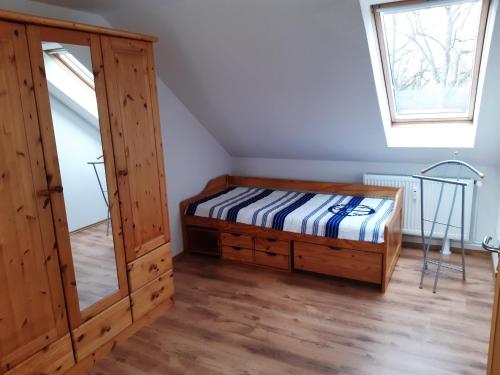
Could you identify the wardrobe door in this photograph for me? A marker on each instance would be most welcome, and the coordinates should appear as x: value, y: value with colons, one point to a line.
x: 32, y: 310
x: 75, y: 133
x: 132, y: 99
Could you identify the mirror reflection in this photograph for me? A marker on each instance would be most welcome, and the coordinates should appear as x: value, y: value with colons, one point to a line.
x: 75, y: 119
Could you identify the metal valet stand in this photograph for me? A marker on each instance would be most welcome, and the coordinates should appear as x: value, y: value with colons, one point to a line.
x: 427, y: 240
x: 104, y: 192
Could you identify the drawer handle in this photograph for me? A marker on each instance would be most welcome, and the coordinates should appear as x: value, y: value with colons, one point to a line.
x: 237, y: 248
x: 236, y: 234
x: 272, y: 239
x: 271, y: 254
x: 334, y: 248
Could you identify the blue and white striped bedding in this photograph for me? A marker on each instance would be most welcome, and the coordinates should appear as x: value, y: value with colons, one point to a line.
x: 327, y: 215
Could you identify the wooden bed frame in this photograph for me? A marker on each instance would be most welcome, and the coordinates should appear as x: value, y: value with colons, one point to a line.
x: 358, y: 260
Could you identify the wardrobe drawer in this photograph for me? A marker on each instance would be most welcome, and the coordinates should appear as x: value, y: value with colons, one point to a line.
x: 352, y: 264
x: 272, y: 259
x: 273, y: 245
x: 94, y: 333
x: 235, y: 239
x: 56, y: 358
x: 237, y: 254
x: 149, y: 267
x: 152, y: 295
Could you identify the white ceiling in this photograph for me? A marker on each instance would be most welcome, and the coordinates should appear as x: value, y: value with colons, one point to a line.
x: 282, y: 78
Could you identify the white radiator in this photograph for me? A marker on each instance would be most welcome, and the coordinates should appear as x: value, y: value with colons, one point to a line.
x: 411, y: 204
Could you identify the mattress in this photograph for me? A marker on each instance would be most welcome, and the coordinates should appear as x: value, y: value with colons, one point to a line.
x: 327, y: 215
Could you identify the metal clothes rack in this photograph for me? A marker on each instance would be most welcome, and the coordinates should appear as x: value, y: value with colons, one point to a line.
x: 104, y: 192
x: 427, y: 241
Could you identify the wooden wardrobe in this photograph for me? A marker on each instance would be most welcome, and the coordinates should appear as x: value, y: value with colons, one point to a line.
x: 45, y: 327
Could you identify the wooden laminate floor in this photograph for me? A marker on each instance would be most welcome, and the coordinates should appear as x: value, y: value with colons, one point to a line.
x: 95, y: 264
x: 231, y: 319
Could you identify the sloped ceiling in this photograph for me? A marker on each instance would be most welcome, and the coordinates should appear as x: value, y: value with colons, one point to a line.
x: 283, y: 78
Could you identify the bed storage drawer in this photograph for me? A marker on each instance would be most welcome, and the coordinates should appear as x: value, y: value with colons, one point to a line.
x: 272, y: 245
x: 237, y: 253
x: 352, y: 264
x: 235, y: 239
x: 272, y: 259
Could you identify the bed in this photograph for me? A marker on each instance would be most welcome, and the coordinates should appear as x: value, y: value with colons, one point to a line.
x: 344, y: 230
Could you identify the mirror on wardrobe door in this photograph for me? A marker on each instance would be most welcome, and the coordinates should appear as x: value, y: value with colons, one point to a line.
x: 73, y: 102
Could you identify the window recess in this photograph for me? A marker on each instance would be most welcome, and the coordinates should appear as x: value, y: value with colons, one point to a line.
x: 430, y: 53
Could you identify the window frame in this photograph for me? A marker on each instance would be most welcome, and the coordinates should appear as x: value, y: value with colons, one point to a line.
x: 386, y: 71
x: 66, y: 62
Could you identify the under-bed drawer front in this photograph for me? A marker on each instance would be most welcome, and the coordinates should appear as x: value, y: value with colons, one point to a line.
x: 235, y: 239
x: 352, y: 264
x: 272, y: 259
x: 272, y: 245
x: 237, y: 253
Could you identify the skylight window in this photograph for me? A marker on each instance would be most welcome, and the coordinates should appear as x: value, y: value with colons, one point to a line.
x: 430, y: 54
x: 69, y: 62
x: 71, y: 79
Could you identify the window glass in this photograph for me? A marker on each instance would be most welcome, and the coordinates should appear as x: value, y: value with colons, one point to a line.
x: 430, y: 57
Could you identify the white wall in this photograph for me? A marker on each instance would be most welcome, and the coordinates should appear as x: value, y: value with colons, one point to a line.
x: 341, y: 171
x: 32, y: 7
x: 288, y: 79
x: 498, y: 224
x: 78, y: 142
x: 192, y: 155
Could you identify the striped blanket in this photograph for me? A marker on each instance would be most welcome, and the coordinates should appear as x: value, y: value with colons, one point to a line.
x: 334, y: 216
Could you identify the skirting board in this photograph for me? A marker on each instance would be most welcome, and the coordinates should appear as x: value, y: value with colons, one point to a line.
x: 469, y: 245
